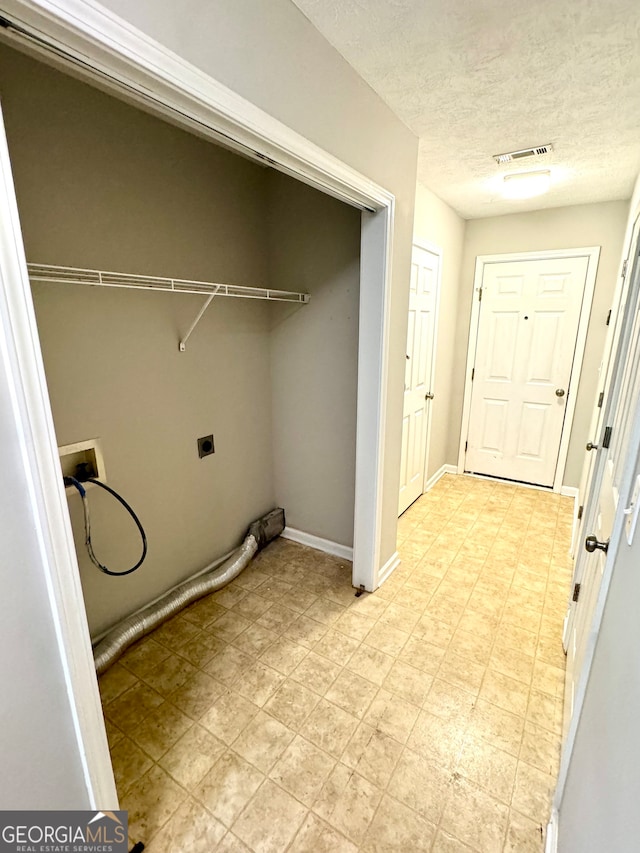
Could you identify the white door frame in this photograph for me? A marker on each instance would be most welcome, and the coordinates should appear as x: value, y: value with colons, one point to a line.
x: 125, y: 60
x: 593, y: 255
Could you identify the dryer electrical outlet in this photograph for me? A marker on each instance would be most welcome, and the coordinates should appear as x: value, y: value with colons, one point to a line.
x: 205, y: 446
x: 81, y: 460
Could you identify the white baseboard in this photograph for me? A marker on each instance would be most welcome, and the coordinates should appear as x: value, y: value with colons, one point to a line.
x: 318, y: 543
x: 569, y: 492
x: 433, y: 479
x: 389, y: 567
x: 551, y: 841
x: 572, y: 492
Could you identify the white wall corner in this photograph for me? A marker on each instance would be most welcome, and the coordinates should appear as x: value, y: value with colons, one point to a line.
x: 317, y: 542
x: 389, y: 567
x: 433, y: 479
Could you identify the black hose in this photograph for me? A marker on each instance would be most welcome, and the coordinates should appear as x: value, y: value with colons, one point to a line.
x: 71, y: 481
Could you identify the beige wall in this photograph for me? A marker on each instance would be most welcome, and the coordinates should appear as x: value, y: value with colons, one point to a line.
x: 559, y: 228
x: 437, y: 223
x: 314, y: 246
x: 103, y: 185
x: 268, y: 52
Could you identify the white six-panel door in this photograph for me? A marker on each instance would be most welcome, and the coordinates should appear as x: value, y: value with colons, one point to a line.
x: 527, y: 330
x: 418, y: 382
x: 602, y: 502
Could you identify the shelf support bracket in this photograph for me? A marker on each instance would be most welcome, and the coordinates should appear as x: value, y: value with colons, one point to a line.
x: 182, y: 346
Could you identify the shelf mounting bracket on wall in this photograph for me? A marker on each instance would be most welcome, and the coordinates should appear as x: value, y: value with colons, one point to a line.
x: 182, y: 346
x: 52, y: 274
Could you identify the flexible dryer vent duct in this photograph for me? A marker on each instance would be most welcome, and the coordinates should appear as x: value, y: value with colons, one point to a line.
x: 260, y: 533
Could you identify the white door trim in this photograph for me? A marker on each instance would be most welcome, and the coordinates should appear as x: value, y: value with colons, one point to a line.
x: 428, y: 246
x: 126, y: 60
x: 593, y: 255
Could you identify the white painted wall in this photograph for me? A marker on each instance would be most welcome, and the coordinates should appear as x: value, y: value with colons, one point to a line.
x: 437, y: 223
x: 314, y: 246
x: 599, y: 806
x: 268, y: 52
x: 557, y: 228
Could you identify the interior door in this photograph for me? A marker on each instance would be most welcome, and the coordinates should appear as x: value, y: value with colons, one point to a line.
x: 527, y: 330
x: 604, y: 496
x: 418, y: 381
x: 606, y: 372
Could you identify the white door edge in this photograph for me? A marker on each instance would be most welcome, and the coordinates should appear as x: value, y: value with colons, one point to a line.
x: 593, y: 255
x: 151, y: 74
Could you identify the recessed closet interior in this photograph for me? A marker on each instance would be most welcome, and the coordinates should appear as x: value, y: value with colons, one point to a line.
x: 103, y: 185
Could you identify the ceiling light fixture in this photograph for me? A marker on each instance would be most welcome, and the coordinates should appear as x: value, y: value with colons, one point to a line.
x: 526, y: 184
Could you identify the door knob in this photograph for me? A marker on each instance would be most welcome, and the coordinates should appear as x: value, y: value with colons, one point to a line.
x: 428, y: 396
x: 592, y: 544
x: 560, y: 392
x: 591, y: 446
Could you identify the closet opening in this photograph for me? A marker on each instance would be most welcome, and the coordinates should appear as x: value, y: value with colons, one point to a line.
x: 272, y: 375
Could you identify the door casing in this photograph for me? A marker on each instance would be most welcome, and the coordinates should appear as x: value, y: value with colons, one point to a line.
x: 593, y: 255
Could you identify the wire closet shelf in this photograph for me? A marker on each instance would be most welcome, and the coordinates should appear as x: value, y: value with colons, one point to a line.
x: 51, y: 274
x: 99, y: 278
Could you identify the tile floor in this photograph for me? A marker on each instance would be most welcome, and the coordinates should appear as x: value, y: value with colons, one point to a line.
x: 285, y: 714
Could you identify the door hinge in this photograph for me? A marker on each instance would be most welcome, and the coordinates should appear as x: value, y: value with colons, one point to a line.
x: 580, y: 511
x: 600, y: 399
x: 606, y: 441
x: 466, y: 444
x: 473, y: 373
x: 608, y: 317
x: 480, y: 295
x: 624, y: 268
x: 576, y: 592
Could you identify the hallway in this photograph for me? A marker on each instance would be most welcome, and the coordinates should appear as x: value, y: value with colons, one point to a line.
x: 284, y: 714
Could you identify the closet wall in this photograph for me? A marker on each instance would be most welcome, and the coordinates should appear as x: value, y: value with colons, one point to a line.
x: 314, y: 247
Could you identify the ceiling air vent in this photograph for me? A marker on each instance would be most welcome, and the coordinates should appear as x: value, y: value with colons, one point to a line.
x: 538, y: 151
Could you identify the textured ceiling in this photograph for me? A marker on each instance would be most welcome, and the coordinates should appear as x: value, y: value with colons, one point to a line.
x: 473, y: 78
